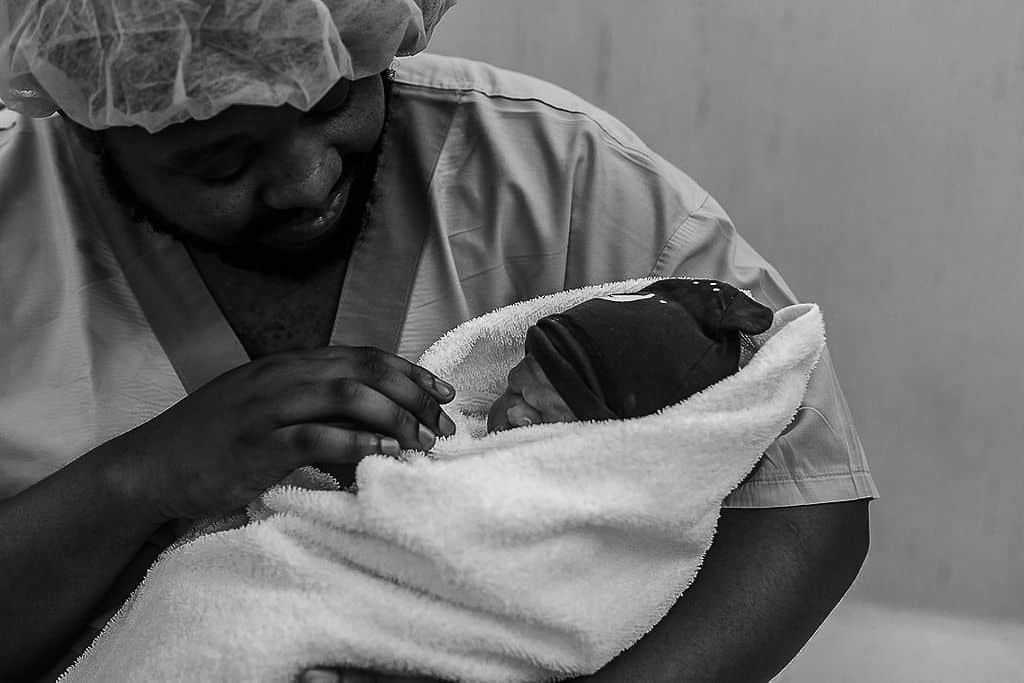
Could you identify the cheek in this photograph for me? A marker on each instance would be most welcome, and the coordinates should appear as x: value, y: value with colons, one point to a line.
x: 215, y: 213
x: 358, y: 126
x: 496, y: 417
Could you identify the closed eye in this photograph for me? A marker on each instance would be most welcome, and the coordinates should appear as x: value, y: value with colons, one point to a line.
x: 226, y: 170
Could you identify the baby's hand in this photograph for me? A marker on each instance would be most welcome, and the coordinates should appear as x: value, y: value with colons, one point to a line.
x: 529, y: 399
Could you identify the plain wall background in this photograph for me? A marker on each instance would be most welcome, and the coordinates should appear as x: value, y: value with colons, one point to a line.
x: 874, y: 152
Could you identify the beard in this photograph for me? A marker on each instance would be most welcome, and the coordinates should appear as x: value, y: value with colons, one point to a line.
x: 251, y: 256
x: 329, y: 250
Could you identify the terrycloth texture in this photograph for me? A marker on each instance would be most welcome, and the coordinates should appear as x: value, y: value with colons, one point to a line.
x: 525, y: 555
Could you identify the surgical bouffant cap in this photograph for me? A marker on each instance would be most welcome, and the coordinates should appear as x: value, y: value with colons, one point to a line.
x: 153, y: 63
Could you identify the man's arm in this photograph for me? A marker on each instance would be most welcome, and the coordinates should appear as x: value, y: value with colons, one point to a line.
x: 769, y: 580
x: 63, y: 543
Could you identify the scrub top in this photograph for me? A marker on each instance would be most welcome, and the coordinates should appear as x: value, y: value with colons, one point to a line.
x: 497, y: 187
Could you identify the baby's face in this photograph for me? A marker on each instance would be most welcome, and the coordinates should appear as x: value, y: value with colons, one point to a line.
x: 529, y: 399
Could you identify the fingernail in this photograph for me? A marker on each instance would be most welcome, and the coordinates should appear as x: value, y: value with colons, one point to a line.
x: 426, y: 438
x: 446, y: 425
x: 390, y: 447
x: 443, y: 388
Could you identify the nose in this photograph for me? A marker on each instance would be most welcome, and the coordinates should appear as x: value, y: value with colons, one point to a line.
x: 301, y: 170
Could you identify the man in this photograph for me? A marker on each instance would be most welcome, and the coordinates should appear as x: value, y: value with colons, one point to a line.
x: 219, y: 258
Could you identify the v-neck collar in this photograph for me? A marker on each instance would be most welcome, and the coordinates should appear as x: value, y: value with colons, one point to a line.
x: 197, y: 339
x: 377, y: 287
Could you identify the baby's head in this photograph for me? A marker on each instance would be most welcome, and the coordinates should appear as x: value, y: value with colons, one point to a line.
x: 628, y: 355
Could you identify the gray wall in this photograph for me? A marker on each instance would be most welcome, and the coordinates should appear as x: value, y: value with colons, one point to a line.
x: 874, y: 151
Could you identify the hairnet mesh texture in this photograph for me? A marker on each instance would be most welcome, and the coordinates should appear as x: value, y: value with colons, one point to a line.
x: 153, y: 63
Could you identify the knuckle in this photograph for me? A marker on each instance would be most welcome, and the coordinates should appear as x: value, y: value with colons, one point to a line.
x: 306, y: 438
x: 372, y: 359
x: 271, y: 367
x: 255, y: 409
x: 345, y: 389
x: 405, y: 422
x: 348, y: 444
x: 375, y: 363
x: 422, y: 376
x: 365, y: 443
x: 427, y: 406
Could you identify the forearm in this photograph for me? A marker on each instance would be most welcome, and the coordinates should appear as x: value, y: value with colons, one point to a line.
x: 62, y: 544
x: 769, y: 580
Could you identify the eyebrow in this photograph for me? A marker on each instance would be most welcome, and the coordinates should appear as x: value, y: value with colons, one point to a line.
x: 193, y: 156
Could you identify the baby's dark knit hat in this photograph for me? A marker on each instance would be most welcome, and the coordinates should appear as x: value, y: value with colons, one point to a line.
x: 627, y: 355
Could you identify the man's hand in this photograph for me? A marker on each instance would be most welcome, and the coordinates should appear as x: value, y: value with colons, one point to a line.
x: 223, y: 445
x: 530, y: 398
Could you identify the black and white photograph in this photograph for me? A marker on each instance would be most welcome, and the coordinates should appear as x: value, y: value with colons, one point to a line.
x: 420, y: 341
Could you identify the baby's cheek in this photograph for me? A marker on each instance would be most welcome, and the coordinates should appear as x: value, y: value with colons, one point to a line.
x: 512, y: 410
x: 496, y: 416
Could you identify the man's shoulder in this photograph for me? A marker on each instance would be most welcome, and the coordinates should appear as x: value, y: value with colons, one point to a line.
x: 461, y: 79
x: 457, y: 74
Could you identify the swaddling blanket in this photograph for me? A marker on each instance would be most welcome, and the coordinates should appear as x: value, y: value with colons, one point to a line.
x: 531, y: 554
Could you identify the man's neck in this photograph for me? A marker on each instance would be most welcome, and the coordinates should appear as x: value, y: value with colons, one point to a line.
x: 271, y: 314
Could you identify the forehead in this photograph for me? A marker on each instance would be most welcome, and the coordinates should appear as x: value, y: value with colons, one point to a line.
x: 239, y: 124
x: 234, y: 123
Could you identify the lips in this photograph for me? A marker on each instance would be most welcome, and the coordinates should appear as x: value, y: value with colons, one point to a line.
x: 307, y: 231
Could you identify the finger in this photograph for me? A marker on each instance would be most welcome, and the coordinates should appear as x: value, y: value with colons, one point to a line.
x: 367, y: 391
x: 443, y: 391
x: 364, y: 408
x: 522, y: 414
x: 529, y: 380
x: 312, y: 444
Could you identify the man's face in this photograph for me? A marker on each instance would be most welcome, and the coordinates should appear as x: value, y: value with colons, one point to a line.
x: 262, y: 187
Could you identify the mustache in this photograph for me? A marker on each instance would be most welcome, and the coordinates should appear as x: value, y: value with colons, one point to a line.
x: 268, y: 222
x: 241, y: 253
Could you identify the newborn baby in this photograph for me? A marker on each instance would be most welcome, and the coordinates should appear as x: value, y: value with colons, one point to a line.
x: 628, y: 355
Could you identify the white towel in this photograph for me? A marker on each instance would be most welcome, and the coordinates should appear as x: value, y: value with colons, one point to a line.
x: 526, y: 555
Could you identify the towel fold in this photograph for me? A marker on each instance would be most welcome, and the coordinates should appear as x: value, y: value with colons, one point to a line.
x: 525, y: 555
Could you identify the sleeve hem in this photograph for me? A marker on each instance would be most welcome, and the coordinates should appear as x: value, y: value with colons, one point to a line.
x: 792, y: 492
